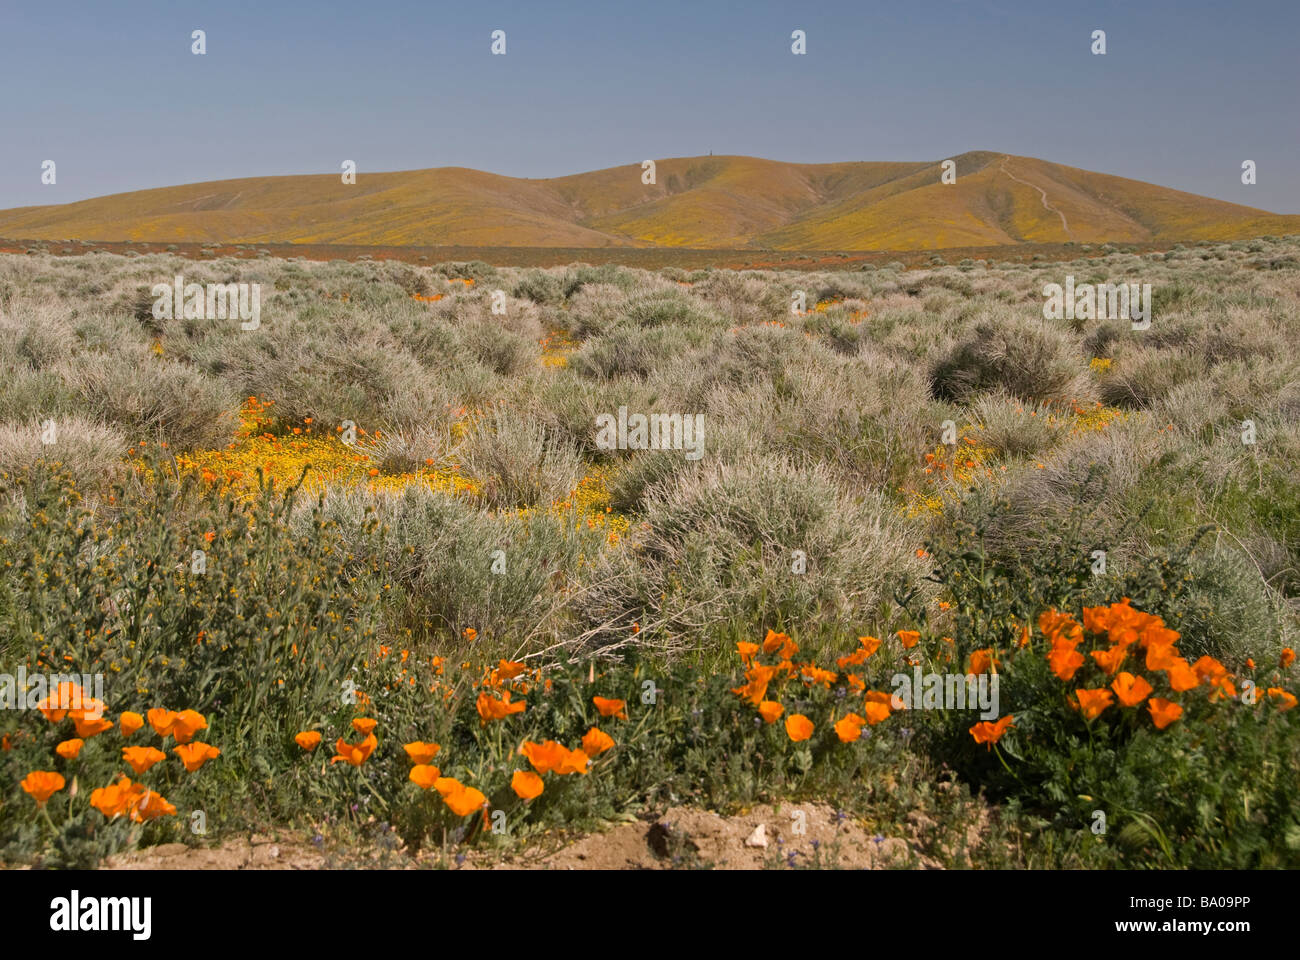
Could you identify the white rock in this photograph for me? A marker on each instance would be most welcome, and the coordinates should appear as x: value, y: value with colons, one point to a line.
x: 758, y: 838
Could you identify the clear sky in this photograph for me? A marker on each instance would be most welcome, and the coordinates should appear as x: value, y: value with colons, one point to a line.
x: 111, y: 92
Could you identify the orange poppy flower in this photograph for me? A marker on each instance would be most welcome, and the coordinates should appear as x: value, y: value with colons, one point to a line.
x: 1287, y: 658
x: 55, y: 706
x: 309, y: 740
x: 770, y: 711
x: 1163, y: 712
x: 1181, y: 676
x: 424, y: 775
x: 1131, y: 690
x: 69, y: 749
x: 509, y: 669
x: 42, y: 784
x: 610, y: 708
x: 774, y: 641
x: 1096, y: 619
x: 982, y: 661
x: 798, y: 727
x: 869, y: 645
x: 746, y: 650
x: 112, y: 800
x: 814, y: 675
x: 150, y: 806
x: 573, y: 761
x: 1207, y: 668
x: 1288, y: 699
x: 849, y: 728
x: 161, y: 721
x: 1064, y: 661
x: 909, y: 638
x: 186, y: 724
x: 544, y: 757
x: 421, y: 752
x: 490, y: 708
x: 470, y: 634
x: 142, y: 758
x: 989, y: 733
x: 1093, y: 702
x: 364, y: 725
x: 195, y: 755
x: 1109, y: 660
x: 875, y: 712
x: 354, y: 754
x: 129, y: 722
x: 88, y: 726
x: 596, y: 742
x: 526, y: 784
x: 461, y: 799
x: 854, y: 659
x: 1161, y: 656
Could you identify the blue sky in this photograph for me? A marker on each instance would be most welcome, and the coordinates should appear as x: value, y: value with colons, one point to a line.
x: 111, y: 92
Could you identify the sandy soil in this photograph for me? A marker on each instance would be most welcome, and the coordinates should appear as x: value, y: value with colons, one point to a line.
x: 806, y: 835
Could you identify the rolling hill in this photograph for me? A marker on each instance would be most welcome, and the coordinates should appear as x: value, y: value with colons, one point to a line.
x: 724, y: 202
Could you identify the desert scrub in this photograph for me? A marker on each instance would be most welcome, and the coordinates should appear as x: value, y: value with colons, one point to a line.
x: 759, y: 540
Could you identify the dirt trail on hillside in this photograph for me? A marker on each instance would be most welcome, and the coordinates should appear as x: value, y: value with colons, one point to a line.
x: 1042, y: 193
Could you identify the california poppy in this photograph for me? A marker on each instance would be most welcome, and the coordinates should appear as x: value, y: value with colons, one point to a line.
x: 492, y: 708
x: 509, y: 669
x: 421, y: 752
x: 526, y: 784
x: 42, y: 784
x: 1131, y: 690
x: 770, y: 711
x: 161, y: 721
x: 364, y: 725
x: 69, y: 749
x: 1093, y: 702
x: 989, y: 733
x: 544, y: 757
x: 186, y: 724
x: 424, y: 775
x: 798, y: 727
x: 1181, y: 676
x: 849, y: 728
x: 195, y: 755
x: 1287, y: 658
x: 309, y: 740
x: 1064, y: 661
x: 596, y: 742
x: 91, y: 726
x: 462, y: 800
x: 982, y: 661
x: 909, y: 638
x: 1288, y: 699
x: 129, y: 722
x: 573, y: 761
x: 610, y: 708
x: 1163, y: 712
x: 354, y: 754
x: 1110, y: 660
x: 142, y: 758
x: 746, y: 650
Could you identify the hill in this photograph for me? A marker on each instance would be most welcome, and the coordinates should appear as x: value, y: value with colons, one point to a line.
x: 725, y: 202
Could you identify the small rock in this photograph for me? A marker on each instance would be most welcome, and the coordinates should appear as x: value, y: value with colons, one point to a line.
x: 758, y: 838
x: 273, y: 852
x: 169, y: 850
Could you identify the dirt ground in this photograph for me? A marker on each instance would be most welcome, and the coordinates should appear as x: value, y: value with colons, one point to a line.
x: 806, y: 835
